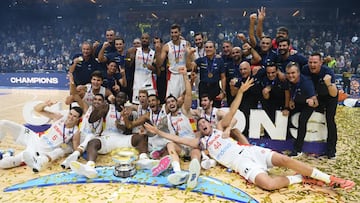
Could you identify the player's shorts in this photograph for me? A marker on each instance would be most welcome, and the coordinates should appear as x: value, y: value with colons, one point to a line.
x: 113, y: 141
x: 251, y: 161
x: 175, y: 85
x: 156, y: 142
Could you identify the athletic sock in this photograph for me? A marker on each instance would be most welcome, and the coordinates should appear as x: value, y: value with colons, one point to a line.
x: 295, y: 179
x: 176, y: 166
x: 55, y: 154
x: 143, y: 156
x: 91, y: 163
x: 319, y: 175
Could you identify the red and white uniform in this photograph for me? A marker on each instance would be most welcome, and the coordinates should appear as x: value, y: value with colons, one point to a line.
x: 181, y: 126
x: 112, y: 137
x: 89, y: 130
x: 143, y: 77
x: 247, y: 160
x: 89, y: 95
x: 176, y: 57
x: 213, y: 118
x: 157, y: 142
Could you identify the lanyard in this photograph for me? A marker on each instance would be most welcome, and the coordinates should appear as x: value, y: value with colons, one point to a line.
x: 202, y: 55
x: 172, y: 125
x: 140, y: 110
x: 295, y: 91
x: 70, y: 133
x: 90, y: 90
x: 210, y: 70
x: 143, y: 58
x: 157, y: 118
x: 211, y: 114
x: 101, y: 121
x: 207, y: 140
x: 270, y: 82
x: 177, y: 54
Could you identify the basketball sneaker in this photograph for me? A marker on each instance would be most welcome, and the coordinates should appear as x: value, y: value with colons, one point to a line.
x: 178, y: 178
x: 312, y: 181
x: 146, y: 163
x: 34, y: 160
x: 72, y: 157
x: 162, y: 166
x: 341, y: 183
x: 208, y: 163
x: 194, y: 172
x: 86, y: 170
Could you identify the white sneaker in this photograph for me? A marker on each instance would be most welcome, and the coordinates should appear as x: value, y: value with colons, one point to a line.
x: 66, y: 163
x: 34, y: 160
x: 208, y: 163
x: 83, y: 169
x: 178, y: 178
x: 146, y: 163
x: 10, y: 162
x: 194, y: 172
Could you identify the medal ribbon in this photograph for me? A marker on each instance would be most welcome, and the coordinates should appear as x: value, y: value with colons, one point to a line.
x: 177, y: 54
x: 212, y: 65
x: 143, y: 58
x: 64, y: 135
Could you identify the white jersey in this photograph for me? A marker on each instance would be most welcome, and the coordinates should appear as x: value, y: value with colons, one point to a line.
x: 248, y: 160
x: 137, y: 114
x: 143, y: 77
x: 223, y: 150
x: 89, y: 95
x: 91, y: 128
x: 112, y: 137
x: 110, y: 120
x: 160, y: 119
x: 141, y: 111
x: 157, y: 142
x: 212, y: 118
x: 176, y: 55
x: 56, y: 135
x: 180, y: 125
x: 199, y: 52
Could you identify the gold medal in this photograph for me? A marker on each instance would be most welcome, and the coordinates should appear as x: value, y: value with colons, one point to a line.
x: 145, y: 65
x: 63, y: 145
x: 210, y: 75
x: 177, y: 133
x: 177, y: 60
x: 162, y: 69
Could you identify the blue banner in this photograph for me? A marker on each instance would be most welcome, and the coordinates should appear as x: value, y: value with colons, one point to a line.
x: 34, y: 80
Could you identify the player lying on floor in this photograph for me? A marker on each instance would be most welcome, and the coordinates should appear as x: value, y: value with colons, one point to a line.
x: 251, y: 162
x: 53, y: 144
